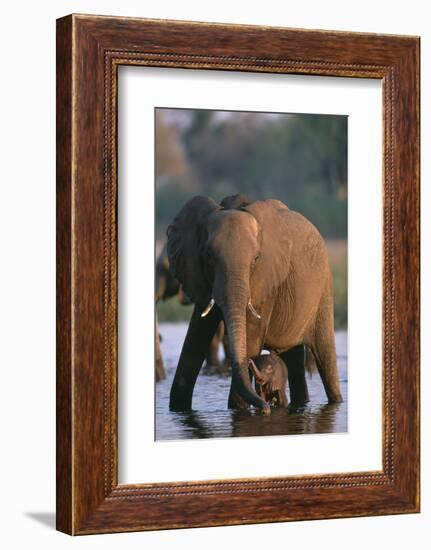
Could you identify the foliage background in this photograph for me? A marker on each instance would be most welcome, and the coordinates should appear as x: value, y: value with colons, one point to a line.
x: 300, y: 159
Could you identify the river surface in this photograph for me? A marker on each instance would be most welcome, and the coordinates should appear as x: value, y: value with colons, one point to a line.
x: 210, y: 416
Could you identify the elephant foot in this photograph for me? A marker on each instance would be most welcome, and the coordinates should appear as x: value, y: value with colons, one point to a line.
x: 179, y: 407
x: 180, y: 399
x: 335, y: 398
x: 294, y: 408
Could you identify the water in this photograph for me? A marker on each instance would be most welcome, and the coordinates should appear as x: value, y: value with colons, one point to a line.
x: 210, y: 416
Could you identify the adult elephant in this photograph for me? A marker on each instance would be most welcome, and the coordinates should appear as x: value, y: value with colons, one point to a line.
x: 264, y: 270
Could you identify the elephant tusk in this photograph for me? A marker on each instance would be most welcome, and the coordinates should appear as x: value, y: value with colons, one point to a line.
x: 255, y: 313
x: 208, y: 308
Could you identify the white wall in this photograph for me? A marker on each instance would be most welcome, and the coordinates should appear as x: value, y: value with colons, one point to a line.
x: 27, y: 218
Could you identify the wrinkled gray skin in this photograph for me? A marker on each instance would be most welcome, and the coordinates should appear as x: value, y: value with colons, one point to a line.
x: 167, y: 287
x: 270, y: 375
x: 262, y: 254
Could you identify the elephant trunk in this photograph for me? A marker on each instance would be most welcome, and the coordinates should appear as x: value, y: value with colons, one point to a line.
x: 234, y: 302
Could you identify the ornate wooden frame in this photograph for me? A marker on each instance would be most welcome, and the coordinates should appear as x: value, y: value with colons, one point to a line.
x: 89, y: 51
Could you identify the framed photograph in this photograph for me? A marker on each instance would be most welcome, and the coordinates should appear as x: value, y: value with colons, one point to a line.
x: 237, y: 274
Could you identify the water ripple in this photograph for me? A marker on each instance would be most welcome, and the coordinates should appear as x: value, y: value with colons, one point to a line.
x: 210, y: 417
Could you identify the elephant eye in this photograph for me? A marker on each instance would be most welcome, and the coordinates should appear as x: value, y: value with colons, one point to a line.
x: 256, y: 258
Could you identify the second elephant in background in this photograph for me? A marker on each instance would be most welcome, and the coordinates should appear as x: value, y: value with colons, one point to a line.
x: 166, y: 287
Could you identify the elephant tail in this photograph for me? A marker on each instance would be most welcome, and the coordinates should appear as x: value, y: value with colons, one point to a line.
x: 310, y: 362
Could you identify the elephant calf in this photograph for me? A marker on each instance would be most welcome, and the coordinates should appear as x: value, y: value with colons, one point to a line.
x: 270, y: 374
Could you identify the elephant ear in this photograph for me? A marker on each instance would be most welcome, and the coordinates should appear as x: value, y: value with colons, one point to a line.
x: 186, y: 236
x: 273, y: 265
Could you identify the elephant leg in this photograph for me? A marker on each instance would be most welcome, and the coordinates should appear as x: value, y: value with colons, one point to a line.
x: 212, y: 358
x: 200, y: 332
x: 325, y: 354
x: 160, y: 369
x: 282, y: 398
x: 160, y: 373
x: 295, y: 361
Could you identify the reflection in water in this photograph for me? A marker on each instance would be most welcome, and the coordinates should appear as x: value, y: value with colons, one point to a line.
x: 210, y: 417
